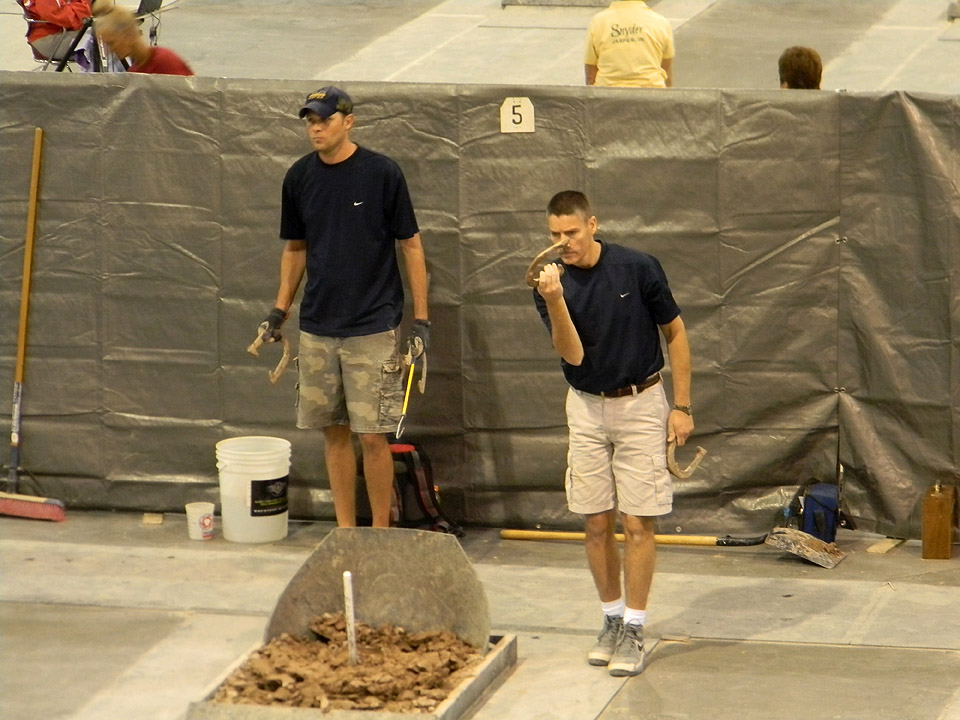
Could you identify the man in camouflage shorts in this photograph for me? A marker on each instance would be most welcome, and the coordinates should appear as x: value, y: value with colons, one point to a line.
x: 344, y: 211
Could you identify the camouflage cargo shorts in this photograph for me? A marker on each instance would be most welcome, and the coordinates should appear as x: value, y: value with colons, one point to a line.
x: 355, y: 381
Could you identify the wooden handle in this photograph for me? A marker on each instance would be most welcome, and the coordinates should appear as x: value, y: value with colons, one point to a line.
x: 559, y: 535
x: 28, y: 254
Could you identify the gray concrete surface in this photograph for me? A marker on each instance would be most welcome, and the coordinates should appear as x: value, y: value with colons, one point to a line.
x: 866, y: 45
x: 103, y: 618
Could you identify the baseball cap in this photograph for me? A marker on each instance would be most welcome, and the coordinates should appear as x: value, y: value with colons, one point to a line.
x: 326, y: 101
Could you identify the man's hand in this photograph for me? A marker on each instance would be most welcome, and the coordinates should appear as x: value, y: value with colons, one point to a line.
x: 548, y: 282
x: 419, y: 340
x: 679, y: 426
x: 270, y: 328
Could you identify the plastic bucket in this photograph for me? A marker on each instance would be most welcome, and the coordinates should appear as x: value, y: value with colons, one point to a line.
x: 254, y: 475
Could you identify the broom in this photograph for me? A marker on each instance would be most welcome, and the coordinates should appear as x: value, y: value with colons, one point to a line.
x: 11, y: 503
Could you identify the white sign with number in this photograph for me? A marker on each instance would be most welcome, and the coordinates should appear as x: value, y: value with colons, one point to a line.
x: 516, y: 115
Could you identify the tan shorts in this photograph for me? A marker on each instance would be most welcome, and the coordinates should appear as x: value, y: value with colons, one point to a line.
x: 617, y: 456
x: 355, y: 381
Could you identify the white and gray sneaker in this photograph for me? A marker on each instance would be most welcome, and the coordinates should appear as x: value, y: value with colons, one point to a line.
x: 628, y: 658
x: 607, y: 640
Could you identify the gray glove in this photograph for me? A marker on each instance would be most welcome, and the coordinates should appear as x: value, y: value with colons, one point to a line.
x: 419, y: 340
x: 270, y: 328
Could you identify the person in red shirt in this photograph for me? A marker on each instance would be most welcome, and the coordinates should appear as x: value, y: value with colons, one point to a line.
x: 53, y: 16
x: 120, y: 32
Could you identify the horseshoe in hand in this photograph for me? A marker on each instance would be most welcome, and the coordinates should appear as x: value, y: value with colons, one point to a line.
x: 533, y: 271
x: 675, y: 469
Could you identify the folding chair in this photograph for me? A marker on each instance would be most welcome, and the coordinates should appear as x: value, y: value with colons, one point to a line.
x: 96, y: 61
x: 57, y: 47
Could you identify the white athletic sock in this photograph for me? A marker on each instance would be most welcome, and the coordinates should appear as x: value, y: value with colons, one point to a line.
x: 636, y: 617
x: 615, y: 608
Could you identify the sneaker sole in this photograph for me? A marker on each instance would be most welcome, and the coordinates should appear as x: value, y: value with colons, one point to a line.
x: 598, y: 660
x: 628, y: 669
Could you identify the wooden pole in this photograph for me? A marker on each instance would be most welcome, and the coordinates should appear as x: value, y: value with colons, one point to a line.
x: 560, y: 535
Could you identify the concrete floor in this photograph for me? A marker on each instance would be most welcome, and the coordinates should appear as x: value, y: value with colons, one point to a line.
x: 866, y: 45
x: 103, y: 618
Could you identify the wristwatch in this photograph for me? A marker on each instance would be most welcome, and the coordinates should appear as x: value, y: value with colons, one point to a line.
x: 688, y: 409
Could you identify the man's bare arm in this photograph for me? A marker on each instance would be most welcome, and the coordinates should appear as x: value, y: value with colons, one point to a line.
x: 293, y: 264
x: 563, y: 333
x: 679, y: 424
x: 415, y: 262
x: 590, y: 74
x: 667, y: 65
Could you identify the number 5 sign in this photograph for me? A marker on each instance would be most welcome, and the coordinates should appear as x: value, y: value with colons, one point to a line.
x: 516, y: 115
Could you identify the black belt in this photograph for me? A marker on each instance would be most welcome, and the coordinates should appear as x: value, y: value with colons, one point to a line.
x: 631, y: 389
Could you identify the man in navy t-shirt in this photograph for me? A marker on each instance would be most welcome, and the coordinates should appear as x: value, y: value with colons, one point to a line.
x: 344, y: 210
x: 605, y: 307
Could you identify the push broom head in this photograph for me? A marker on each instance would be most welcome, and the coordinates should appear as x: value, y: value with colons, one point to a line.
x: 28, y: 506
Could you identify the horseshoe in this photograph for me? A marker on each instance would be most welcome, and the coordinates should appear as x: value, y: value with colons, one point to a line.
x: 254, y: 349
x: 532, y: 272
x: 672, y: 461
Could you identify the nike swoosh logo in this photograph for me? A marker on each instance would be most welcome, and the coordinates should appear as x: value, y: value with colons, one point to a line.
x: 623, y: 295
x: 358, y: 203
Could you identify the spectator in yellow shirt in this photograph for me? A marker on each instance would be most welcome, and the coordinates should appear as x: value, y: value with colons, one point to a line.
x: 629, y: 45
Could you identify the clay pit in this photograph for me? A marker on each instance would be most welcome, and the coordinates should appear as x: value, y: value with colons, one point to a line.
x: 395, y: 671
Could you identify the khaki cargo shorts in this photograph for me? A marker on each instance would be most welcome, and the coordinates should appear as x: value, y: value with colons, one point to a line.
x: 617, y: 456
x: 355, y: 381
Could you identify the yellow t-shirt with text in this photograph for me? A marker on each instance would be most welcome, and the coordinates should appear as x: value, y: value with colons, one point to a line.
x: 628, y: 42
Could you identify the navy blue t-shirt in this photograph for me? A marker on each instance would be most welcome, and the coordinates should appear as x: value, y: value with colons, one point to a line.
x: 616, y: 307
x: 350, y: 214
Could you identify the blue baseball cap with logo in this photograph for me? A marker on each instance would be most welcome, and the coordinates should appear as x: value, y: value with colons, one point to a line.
x: 326, y: 101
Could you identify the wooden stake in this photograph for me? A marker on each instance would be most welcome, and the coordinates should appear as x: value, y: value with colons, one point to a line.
x: 348, y: 612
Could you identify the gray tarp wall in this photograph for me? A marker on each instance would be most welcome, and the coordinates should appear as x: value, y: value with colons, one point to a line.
x: 810, y: 238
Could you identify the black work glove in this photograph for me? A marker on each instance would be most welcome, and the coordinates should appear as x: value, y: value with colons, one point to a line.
x: 419, y: 340
x: 270, y: 327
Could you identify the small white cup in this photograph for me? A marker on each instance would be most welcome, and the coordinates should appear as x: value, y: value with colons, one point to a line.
x: 200, y: 520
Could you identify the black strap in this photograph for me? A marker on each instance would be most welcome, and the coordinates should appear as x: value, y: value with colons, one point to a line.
x: 418, y: 466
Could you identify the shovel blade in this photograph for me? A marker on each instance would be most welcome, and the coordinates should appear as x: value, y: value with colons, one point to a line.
x: 805, y: 546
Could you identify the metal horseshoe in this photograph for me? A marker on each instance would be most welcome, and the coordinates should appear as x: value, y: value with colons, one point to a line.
x: 533, y: 272
x: 254, y: 349
x: 675, y: 469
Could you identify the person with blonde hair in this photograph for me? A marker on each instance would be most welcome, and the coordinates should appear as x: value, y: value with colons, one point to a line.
x: 119, y: 29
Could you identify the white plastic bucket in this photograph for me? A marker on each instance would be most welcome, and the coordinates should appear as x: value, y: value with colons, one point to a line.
x: 254, y: 475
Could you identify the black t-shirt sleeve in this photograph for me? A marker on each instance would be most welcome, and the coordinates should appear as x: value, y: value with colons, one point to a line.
x: 401, y: 219
x: 292, y: 226
x: 656, y: 293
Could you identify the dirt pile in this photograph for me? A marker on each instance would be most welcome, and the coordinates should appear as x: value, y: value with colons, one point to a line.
x: 396, y: 671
